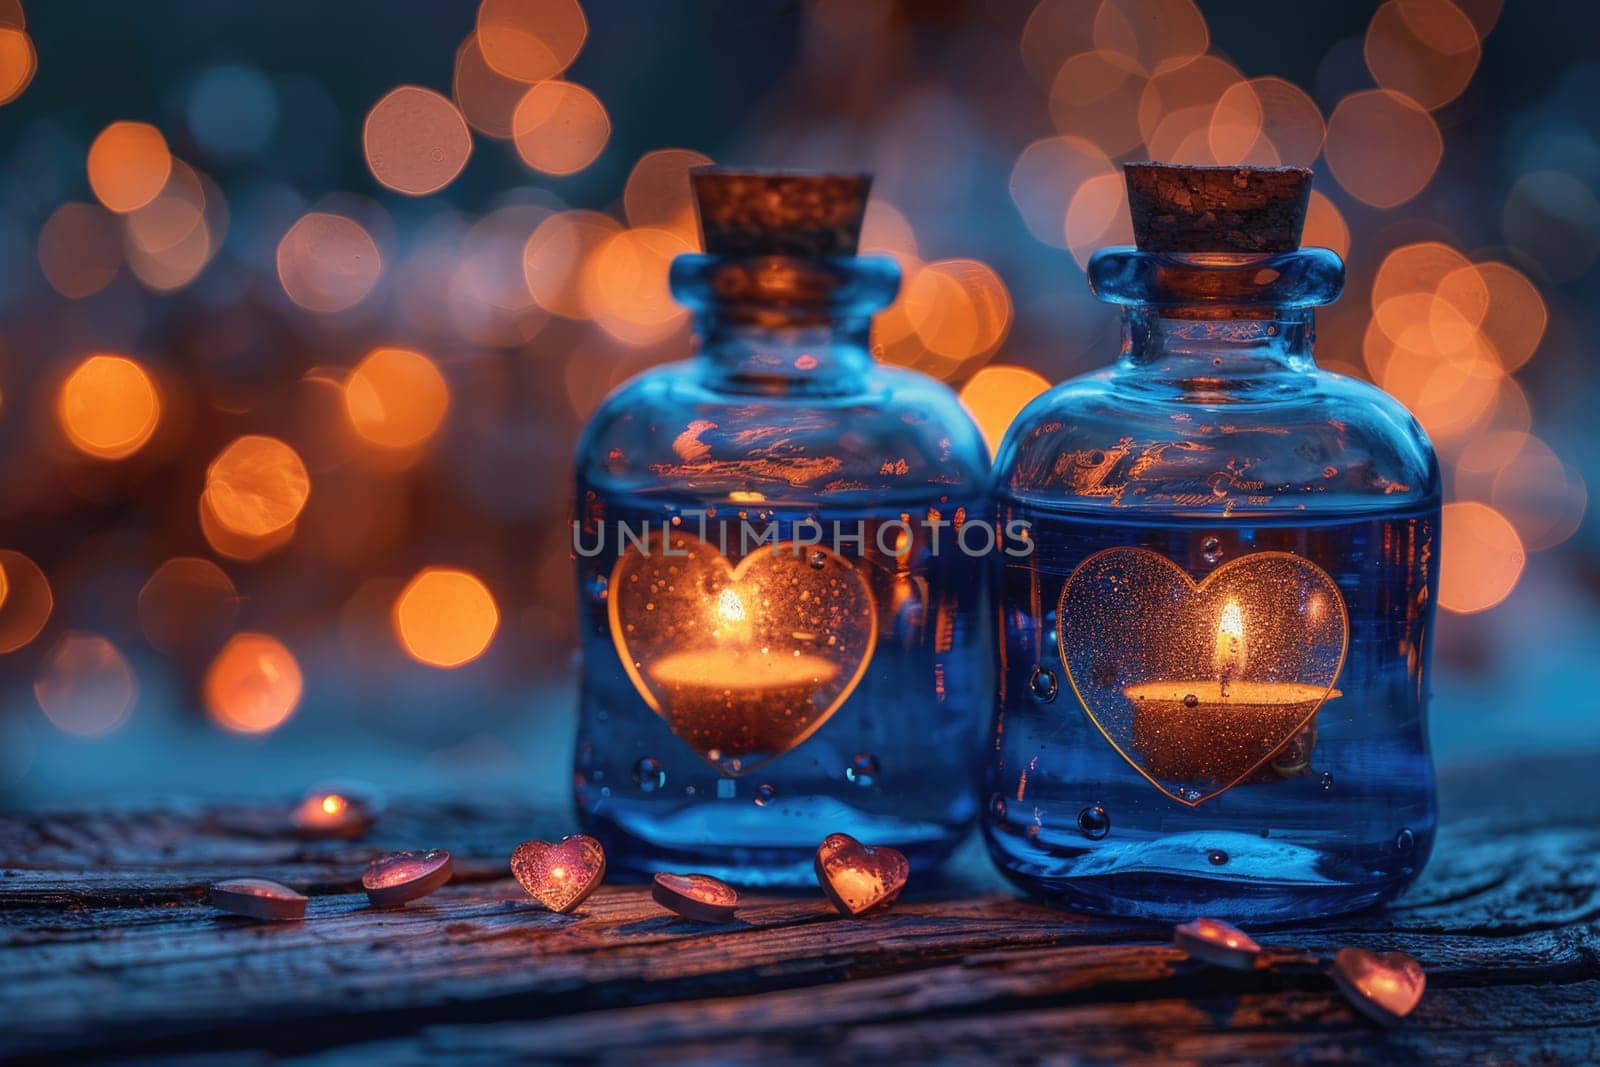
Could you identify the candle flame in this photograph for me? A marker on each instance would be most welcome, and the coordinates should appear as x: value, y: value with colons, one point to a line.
x: 730, y: 607
x: 333, y: 803
x: 1229, y: 660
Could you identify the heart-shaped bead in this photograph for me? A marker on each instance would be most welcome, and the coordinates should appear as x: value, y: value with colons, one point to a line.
x: 1384, y: 988
x: 742, y: 662
x: 560, y: 876
x: 397, y: 877
x: 697, y: 897
x: 1217, y: 942
x: 858, y: 878
x: 258, y: 898
x: 1203, y: 685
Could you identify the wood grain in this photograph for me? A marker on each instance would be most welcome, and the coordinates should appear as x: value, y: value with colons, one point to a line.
x: 107, y: 949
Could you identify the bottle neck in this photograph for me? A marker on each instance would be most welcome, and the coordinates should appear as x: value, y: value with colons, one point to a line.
x: 1243, y: 342
x: 1212, y: 324
x: 780, y: 325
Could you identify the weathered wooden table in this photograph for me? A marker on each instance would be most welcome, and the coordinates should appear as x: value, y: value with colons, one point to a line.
x: 109, y: 951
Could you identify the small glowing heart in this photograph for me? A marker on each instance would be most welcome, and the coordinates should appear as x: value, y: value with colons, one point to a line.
x: 858, y: 878
x: 743, y: 663
x: 1384, y: 988
x: 1202, y: 686
x: 562, y: 875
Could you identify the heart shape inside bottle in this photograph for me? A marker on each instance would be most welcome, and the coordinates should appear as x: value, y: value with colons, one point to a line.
x: 742, y: 662
x: 1198, y: 685
x: 857, y: 877
x: 1385, y: 988
x: 562, y: 875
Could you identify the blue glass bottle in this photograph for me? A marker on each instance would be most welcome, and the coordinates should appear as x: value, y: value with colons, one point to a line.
x: 756, y: 677
x: 1214, y: 666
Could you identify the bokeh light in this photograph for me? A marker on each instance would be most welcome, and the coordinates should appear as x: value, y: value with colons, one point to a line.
x: 554, y: 258
x: 1325, y: 226
x: 625, y: 284
x: 85, y: 687
x: 253, y: 685
x: 559, y: 127
x: 1426, y: 49
x: 531, y: 40
x: 487, y: 98
x: 18, y: 63
x: 445, y: 617
x: 1158, y: 35
x: 80, y: 249
x: 257, y: 485
x: 328, y: 262
x: 396, y: 398
x: 995, y: 395
x: 108, y: 407
x: 1382, y: 147
x: 128, y: 165
x: 28, y: 601
x: 415, y: 140
x: 188, y: 605
x: 657, y: 193
x: 1481, y: 557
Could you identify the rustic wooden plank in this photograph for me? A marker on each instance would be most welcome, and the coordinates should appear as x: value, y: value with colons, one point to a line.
x: 106, y: 949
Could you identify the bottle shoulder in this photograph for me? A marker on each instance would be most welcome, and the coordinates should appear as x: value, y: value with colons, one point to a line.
x: 1309, y: 440
x: 895, y: 432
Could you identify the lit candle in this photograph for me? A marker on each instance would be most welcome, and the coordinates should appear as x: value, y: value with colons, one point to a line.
x: 740, y: 702
x: 1216, y: 730
x: 325, y: 813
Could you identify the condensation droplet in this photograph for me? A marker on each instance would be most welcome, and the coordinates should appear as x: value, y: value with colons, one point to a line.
x: 1216, y: 857
x: 649, y: 775
x: 1043, y: 684
x: 1211, y: 548
x: 1094, y: 822
x: 1190, y: 700
x: 863, y: 769
x: 764, y: 795
x: 818, y: 561
x: 1405, y: 840
x: 1327, y: 781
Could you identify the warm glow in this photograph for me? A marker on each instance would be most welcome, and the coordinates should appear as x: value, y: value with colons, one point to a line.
x: 27, y: 603
x: 1266, y: 120
x: 486, y: 97
x: 108, y: 407
x: 960, y: 310
x: 128, y: 165
x: 1382, y: 147
x: 1095, y: 96
x: 188, y: 603
x: 1503, y: 304
x: 415, y: 140
x: 1159, y: 35
x: 80, y: 249
x: 445, y: 617
x: 624, y: 285
x: 1098, y: 216
x: 18, y: 62
x: 396, y: 398
x: 531, y: 40
x: 1481, y: 558
x: 1426, y: 49
x: 253, y: 685
x: 1230, y: 657
x: 257, y: 485
x: 657, y: 194
x: 1045, y: 178
x: 730, y: 608
x: 86, y: 687
x: 333, y: 804
x: 554, y: 257
x: 235, y: 545
x: 995, y: 395
x: 172, y: 238
x: 327, y: 262
x: 1325, y: 226
x: 559, y: 127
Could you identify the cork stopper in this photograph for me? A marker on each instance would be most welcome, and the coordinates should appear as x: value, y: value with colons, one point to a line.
x: 1179, y: 208
x: 780, y: 213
